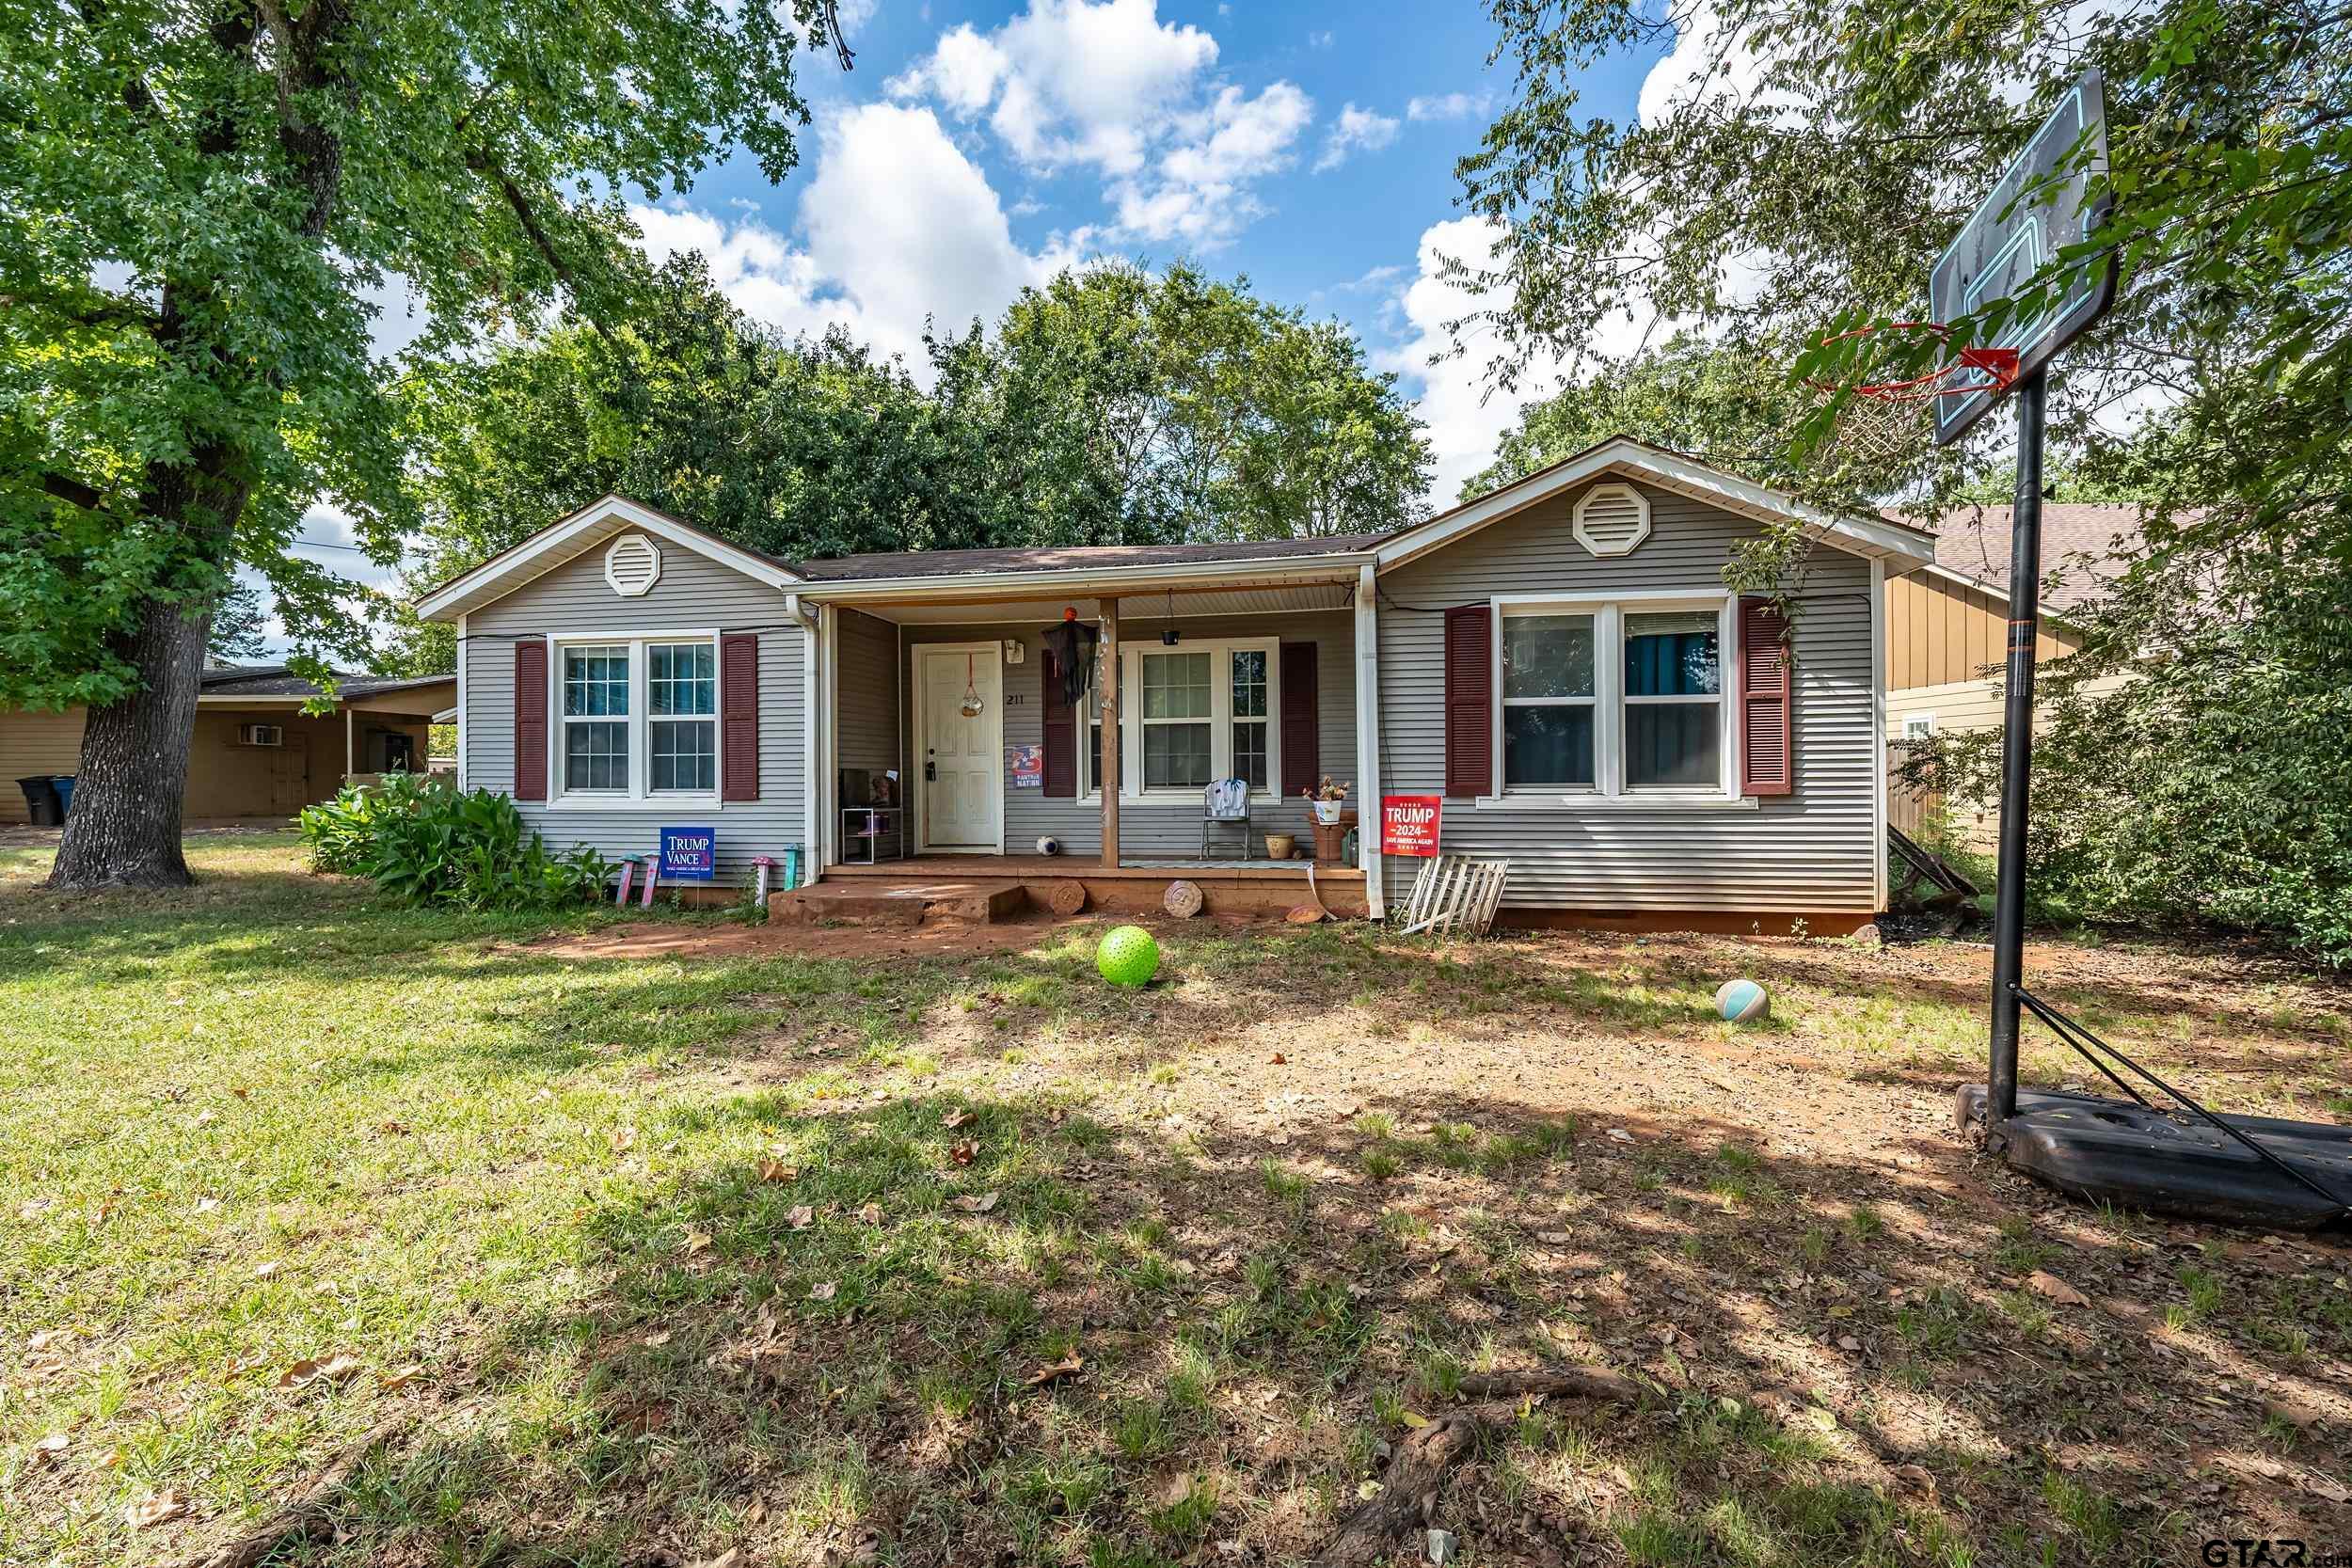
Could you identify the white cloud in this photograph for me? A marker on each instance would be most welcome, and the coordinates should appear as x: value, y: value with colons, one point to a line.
x: 1106, y: 85
x: 1356, y: 130
x: 1322, y: 40
x: 1465, y: 421
x: 1449, y: 106
x: 898, y: 226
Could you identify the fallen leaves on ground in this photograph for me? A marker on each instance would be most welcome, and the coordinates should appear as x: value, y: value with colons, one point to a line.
x: 333, y: 1367
x: 1069, y: 1366
x: 156, y: 1508
x: 977, y: 1203
x: 2043, y: 1283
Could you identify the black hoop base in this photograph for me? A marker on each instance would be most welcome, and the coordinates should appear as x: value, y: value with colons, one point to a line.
x: 2114, y: 1151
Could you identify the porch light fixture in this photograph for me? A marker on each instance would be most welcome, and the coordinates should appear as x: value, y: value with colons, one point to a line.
x: 1170, y: 636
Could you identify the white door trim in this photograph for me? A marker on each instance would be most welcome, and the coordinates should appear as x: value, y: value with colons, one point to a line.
x: 921, y: 798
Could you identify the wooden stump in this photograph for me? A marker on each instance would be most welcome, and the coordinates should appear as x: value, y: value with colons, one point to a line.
x: 1184, y: 899
x: 1067, y: 897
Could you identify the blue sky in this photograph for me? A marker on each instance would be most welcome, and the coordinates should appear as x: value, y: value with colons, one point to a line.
x: 979, y: 148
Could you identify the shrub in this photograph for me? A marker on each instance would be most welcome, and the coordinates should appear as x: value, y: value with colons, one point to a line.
x: 428, y: 843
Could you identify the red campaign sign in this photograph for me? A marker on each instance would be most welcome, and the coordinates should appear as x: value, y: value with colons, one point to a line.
x: 1408, y: 823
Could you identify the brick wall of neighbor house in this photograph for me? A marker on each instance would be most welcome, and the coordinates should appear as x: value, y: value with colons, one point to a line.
x: 34, y: 743
x: 1156, y: 828
x: 1814, y: 851
x: 694, y: 594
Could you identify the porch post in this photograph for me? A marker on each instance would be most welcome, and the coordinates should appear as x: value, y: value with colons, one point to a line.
x: 350, y: 757
x: 1368, y: 736
x: 1112, y: 746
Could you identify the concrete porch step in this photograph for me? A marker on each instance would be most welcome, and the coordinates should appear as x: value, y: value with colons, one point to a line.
x: 874, y: 902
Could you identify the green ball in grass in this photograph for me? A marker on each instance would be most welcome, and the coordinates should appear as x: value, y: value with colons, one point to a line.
x: 1129, y: 956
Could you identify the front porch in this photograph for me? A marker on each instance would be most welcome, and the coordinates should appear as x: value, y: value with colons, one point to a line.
x: 1004, y: 887
x: 947, y: 750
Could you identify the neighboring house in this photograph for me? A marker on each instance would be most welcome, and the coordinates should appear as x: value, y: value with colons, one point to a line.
x: 253, y: 752
x: 1558, y: 660
x: 1948, y: 625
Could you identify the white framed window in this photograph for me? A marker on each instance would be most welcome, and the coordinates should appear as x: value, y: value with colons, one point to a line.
x: 682, y: 710
x: 1918, y: 726
x: 1607, y: 698
x: 595, y: 681
x: 1550, y: 702
x: 637, y: 717
x: 1191, y: 714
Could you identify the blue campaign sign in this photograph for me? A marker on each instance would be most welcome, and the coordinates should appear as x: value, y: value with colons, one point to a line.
x: 689, y: 854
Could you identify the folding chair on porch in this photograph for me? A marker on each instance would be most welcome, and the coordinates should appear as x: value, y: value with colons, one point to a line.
x: 1225, y: 803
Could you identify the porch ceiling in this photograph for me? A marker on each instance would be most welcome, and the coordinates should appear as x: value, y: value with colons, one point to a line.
x: 1142, y: 605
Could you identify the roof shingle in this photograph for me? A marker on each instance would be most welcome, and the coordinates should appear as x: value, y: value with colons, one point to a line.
x: 1973, y: 540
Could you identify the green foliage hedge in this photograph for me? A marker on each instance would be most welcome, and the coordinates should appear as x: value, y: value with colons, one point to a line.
x: 428, y: 843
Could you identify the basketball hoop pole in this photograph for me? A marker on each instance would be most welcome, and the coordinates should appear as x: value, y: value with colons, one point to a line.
x: 2025, y: 594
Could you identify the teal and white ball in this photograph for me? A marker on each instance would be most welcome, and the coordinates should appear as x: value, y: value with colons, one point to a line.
x: 1742, y: 1001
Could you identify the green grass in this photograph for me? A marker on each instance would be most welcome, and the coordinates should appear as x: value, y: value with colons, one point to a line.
x: 768, y: 1251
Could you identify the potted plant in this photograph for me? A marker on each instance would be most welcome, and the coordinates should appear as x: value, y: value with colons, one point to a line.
x: 1326, y: 796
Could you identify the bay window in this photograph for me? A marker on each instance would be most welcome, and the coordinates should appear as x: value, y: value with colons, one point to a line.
x: 639, y: 718
x: 1605, y: 698
x: 1191, y: 715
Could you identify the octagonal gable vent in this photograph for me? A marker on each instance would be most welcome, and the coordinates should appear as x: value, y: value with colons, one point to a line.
x: 1611, y: 519
x: 633, y: 565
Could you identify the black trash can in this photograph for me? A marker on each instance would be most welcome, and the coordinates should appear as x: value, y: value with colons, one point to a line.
x: 40, y: 801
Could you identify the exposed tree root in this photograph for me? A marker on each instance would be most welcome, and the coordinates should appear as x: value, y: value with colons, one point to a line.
x: 310, y: 1515
x: 1418, y: 1466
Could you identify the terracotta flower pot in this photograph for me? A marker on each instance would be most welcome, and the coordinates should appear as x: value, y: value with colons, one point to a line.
x: 1281, y: 846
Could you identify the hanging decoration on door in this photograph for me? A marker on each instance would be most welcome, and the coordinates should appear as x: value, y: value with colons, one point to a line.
x: 972, y: 702
x: 1072, y: 644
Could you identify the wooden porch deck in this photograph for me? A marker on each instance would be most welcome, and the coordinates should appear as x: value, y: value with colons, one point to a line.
x: 1002, y: 887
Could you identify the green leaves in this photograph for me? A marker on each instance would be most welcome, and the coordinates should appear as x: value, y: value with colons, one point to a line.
x: 196, y: 207
x: 425, y: 843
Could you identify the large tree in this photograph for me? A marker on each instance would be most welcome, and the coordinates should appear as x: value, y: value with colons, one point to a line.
x: 799, y: 448
x: 1123, y: 406
x: 199, y: 201
x: 1803, y: 177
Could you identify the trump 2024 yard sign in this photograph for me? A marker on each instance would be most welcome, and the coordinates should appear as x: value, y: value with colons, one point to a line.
x: 1408, y: 823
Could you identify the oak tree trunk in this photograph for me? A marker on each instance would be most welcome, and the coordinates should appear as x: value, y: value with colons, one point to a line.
x: 124, y: 828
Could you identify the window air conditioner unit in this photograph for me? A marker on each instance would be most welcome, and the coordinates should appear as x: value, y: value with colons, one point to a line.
x: 261, y: 735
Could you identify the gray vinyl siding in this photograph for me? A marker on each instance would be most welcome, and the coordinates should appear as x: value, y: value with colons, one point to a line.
x: 866, y: 648
x: 1812, y: 850
x: 1158, y: 828
x: 694, y: 594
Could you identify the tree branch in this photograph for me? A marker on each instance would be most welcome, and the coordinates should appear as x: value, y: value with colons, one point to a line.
x: 74, y: 492
x: 1409, y: 1487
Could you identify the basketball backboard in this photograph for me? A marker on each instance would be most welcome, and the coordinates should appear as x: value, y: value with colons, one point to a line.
x: 2041, y: 205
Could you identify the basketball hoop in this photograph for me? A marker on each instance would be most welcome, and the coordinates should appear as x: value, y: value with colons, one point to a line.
x: 1971, y: 372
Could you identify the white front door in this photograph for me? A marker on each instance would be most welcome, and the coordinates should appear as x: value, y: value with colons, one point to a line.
x: 962, y: 756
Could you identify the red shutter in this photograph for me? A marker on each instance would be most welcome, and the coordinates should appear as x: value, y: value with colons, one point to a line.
x: 739, y: 705
x: 1061, y: 741
x: 1302, y: 746
x: 1469, y: 698
x: 1767, y: 754
x: 531, y: 720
